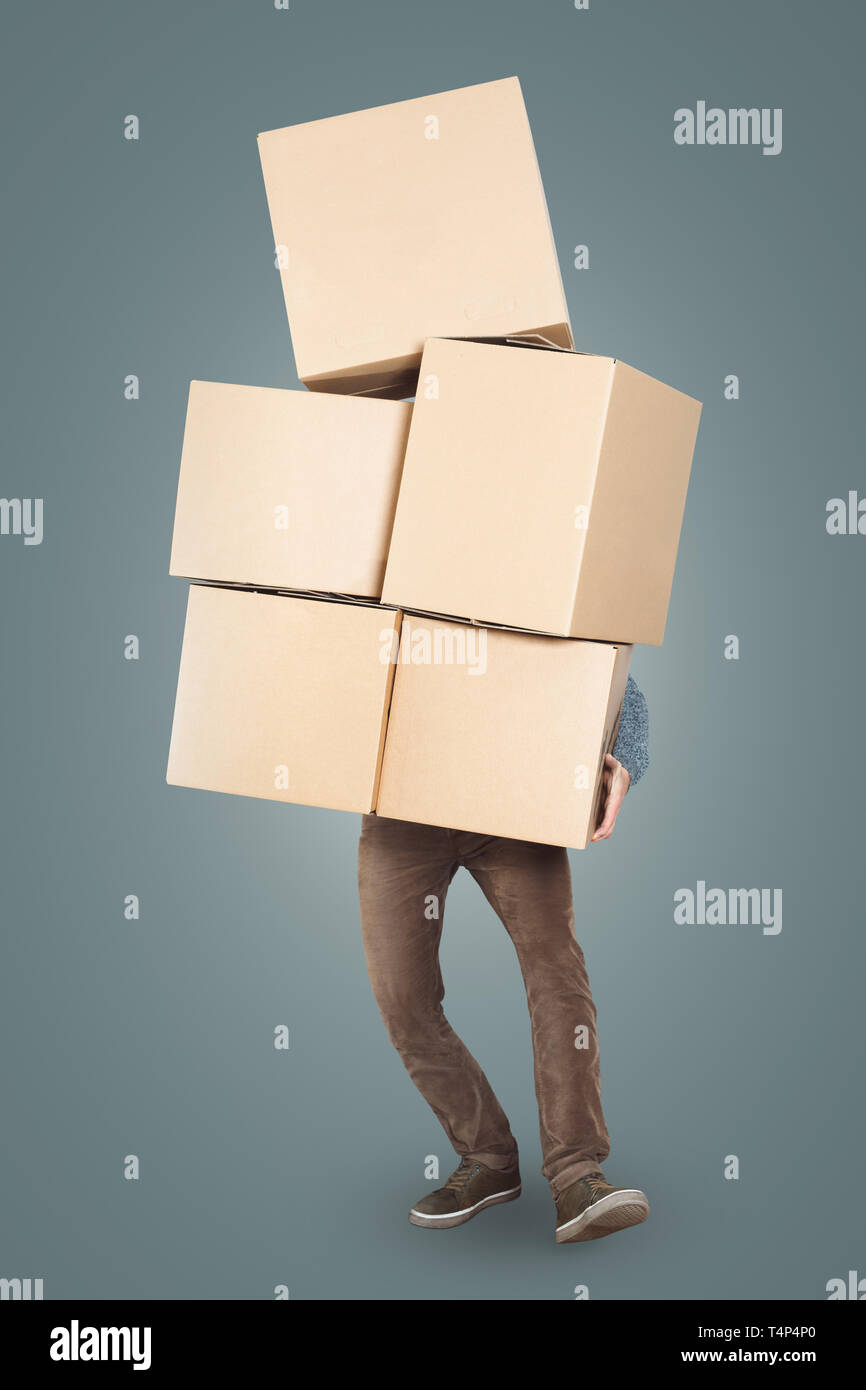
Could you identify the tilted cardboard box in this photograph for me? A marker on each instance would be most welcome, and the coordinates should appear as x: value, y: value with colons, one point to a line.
x: 401, y: 222
x: 541, y: 489
x: 282, y: 697
x: 499, y: 732
x: 287, y: 490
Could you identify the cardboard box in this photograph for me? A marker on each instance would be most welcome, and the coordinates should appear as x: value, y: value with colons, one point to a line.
x: 541, y: 489
x: 282, y: 697
x: 505, y: 741
x: 426, y: 217
x: 285, y: 490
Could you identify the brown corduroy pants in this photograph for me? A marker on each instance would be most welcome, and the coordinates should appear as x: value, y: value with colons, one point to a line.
x: 404, y: 871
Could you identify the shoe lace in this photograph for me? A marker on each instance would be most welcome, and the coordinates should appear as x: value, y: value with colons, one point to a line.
x: 462, y: 1175
x: 595, y: 1182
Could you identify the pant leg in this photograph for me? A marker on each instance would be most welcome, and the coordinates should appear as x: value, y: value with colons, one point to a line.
x: 404, y: 871
x: 529, y: 888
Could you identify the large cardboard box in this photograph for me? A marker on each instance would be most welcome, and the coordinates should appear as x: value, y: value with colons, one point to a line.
x: 282, y: 697
x: 286, y: 490
x: 541, y: 489
x: 500, y: 732
x: 405, y: 221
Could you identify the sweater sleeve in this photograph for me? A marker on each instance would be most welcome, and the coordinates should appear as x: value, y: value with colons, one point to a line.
x: 632, y: 740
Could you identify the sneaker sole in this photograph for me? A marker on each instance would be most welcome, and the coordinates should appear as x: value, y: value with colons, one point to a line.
x: 457, y: 1218
x: 615, y: 1212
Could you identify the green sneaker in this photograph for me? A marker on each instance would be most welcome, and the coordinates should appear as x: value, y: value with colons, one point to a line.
x: 590, y: 1208
x: 471, y: 1187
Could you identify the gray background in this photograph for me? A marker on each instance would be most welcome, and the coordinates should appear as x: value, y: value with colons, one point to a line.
x: 155, y: 1037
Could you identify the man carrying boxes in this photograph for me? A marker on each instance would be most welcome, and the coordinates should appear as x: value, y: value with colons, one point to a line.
x: 544, y: 489
x: 432, y: 607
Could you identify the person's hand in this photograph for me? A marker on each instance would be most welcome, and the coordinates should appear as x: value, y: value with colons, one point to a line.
x: 614, y: 785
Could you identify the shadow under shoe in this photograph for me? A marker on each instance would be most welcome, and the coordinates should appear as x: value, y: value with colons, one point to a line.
x: 471, y: 1187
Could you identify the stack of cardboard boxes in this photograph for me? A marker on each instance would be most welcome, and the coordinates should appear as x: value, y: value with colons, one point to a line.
x: 424, y: 609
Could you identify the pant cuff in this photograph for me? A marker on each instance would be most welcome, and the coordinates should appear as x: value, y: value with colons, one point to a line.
x: 572, y: 1173
x: 500, y: 1163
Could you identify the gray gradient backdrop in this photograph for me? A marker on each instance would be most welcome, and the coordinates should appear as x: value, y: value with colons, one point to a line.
x: 155, y: 1037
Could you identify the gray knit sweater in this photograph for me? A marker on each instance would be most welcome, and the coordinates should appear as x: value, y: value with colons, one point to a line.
x: 632, y: 740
